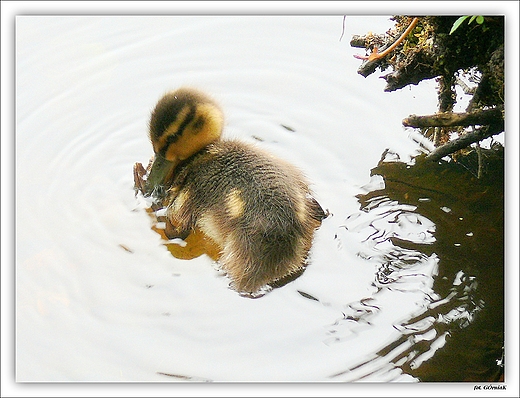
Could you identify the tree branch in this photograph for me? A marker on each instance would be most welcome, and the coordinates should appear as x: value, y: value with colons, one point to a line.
x: 373, y: 60
x: 464, y: 141
x: 449, y: 119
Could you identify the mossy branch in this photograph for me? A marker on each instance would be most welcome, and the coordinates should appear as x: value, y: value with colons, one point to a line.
x: 450, y: 119
x: 373, y: 60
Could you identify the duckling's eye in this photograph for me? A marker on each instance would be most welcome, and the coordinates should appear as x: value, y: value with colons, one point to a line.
x: 171, y: 139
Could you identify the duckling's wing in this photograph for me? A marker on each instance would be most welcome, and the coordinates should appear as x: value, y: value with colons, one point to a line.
x: 316, y: 211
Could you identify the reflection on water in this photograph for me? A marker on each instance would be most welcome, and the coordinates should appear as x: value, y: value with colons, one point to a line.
x: 456, y: 262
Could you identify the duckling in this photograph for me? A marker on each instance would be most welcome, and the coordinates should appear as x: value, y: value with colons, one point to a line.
x: 258, y: 209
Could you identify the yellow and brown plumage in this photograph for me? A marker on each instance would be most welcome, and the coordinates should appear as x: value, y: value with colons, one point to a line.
x: 257, y: 209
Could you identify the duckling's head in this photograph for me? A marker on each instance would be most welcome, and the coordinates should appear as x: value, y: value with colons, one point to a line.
x: 183, y: 122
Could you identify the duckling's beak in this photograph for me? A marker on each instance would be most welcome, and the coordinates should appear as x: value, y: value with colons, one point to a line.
x: 160, y: 176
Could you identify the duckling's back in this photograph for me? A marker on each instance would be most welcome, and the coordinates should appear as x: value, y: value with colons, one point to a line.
x: 258, y: 209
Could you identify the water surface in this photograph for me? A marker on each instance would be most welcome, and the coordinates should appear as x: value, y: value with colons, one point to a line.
x: 100, y: 298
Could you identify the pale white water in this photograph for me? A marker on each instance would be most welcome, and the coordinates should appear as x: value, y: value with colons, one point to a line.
x: 88, y: 310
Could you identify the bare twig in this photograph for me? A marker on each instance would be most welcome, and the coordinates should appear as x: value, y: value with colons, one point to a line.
x: 437, y: 136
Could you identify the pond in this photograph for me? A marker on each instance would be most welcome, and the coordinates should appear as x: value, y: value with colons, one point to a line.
x: 98, y: 295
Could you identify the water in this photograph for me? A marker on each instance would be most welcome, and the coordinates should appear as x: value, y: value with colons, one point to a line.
x: 458, y: 263
x: 99, y: 297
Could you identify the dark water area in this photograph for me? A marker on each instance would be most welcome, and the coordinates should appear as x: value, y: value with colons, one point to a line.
x: 467, y: 313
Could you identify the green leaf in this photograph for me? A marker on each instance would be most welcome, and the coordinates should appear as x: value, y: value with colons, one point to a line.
x: 480, y: 19
x: 457, y: 23
x: 472, y: 19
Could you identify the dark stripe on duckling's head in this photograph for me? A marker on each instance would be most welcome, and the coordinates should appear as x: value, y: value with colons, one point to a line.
x: 187, y: 120
x: 173, y: 132
x: 165, y: 113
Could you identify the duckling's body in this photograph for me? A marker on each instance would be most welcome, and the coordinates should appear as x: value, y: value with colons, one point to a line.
x: 254, y: 207
x: 258, y: 209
